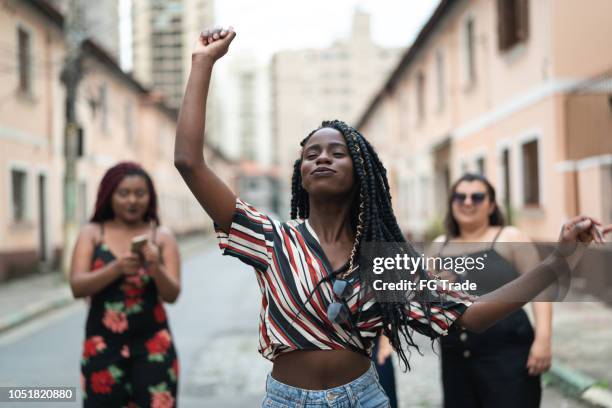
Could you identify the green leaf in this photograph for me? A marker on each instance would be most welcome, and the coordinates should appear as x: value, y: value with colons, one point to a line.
x: 156, y: 357
x: 115, y: 306
x: 137, y: 308
x: 161, y: 387
x: 115, y: 371
x: 172, y: 375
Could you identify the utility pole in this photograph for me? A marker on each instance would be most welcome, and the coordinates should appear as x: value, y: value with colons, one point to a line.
x: 71, y: 76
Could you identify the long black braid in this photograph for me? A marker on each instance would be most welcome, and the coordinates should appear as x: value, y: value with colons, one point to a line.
x: 373, y: 220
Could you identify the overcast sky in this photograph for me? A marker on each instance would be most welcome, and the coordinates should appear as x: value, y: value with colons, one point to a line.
x: 266, y: 26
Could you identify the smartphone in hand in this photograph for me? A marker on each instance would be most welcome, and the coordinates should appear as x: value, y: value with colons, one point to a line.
x: 138, y: 243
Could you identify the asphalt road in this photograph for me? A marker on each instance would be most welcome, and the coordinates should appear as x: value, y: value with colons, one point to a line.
x: 214, y: 324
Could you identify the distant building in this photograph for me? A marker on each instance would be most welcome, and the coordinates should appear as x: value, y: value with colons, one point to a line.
x: 312, y: 85
x: 100, y: 20
x: 164, y: 33
x: 245, y: 127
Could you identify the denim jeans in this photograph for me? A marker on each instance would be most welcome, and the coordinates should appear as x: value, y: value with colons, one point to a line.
x: 364, y: 392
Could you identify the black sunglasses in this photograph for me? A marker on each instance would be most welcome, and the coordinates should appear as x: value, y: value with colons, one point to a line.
x: 477, y: 198
x: 338, y: 312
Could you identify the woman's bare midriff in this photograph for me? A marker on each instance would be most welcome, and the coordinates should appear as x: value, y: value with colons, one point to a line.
x: 319, y: 369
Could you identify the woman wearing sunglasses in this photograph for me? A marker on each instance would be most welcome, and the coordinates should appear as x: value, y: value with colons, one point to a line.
x: 318, y: 321
x: 500, y: 367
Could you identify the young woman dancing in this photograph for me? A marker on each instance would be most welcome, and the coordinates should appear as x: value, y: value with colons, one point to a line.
x: 318, y: 319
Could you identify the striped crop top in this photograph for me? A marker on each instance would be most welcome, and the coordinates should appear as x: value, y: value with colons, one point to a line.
x: 289, y: 262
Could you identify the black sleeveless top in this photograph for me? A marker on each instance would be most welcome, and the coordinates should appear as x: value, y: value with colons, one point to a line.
x: 513, y: 331
x: 127, y: 309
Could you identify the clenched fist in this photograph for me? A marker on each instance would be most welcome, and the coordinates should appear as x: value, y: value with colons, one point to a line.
x: 213, y: 44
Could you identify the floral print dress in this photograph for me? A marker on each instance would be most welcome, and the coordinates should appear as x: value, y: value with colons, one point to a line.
x: 129, y: 358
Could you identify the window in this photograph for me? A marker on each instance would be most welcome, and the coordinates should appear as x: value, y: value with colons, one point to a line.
x: 470, y: 51
x: 512, y: 22
x: 19, y: 195
x: 506, y: 201
x: 531, y: 176
x: 129, y: 123
x: 420, y: 96
x: 440, y: 80
x: 80, y: 145
x: 82, y: 204
x: 480, y: 166
x: 25, y: 60
x: 104, y: 106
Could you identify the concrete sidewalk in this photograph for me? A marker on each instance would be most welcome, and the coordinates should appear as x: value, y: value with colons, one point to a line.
x: 25, y: 299
x: 582, y: 331
x: 582, y: 351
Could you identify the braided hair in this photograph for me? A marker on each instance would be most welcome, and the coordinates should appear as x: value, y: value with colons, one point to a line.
x: 372, y: 219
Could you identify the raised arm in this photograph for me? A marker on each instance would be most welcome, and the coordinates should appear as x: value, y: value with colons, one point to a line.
x: 213, y: 194
x: 494, y: 306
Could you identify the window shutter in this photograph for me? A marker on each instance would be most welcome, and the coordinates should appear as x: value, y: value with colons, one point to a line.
x: 502, y: 38
x: 522, y: 20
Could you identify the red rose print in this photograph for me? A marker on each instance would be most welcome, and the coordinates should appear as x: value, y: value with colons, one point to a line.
x: 125, y: 351
x: 133, y: 280
x: 102, y: 382
x: 97, y: 264
x: 130, y: 302
x: 162, y: 400
x: 93, y: 345
x: 115, y: 321
x: 131, y: 291
x: 159, y: 343
x: 159, y: 313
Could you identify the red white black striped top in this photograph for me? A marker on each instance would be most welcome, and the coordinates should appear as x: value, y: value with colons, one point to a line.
x: 289, y: 262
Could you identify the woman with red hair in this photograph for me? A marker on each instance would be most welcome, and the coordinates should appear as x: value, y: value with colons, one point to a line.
x: 128, y: 353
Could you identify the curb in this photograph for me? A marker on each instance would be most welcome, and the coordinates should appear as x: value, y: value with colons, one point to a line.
x: 63, y: 297
x: 35, y: 310
x: 580, y: 385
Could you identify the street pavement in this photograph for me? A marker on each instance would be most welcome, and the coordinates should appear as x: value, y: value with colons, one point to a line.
x: 215, y: 328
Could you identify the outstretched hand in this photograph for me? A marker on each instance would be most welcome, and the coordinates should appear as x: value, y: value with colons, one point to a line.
x: 214, y: 43
x: 576, y: 234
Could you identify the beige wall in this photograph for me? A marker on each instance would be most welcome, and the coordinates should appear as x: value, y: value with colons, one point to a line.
x: 138, y: 128
x: 28, y: 137
x: 525, y: 93
x: 581, y: 32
